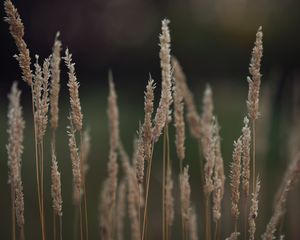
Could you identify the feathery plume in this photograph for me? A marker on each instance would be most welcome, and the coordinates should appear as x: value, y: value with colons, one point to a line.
x: 233, y: 236
x: 76, y: 165
x: 139, y: 163
x: 169, y: 198
x: 84, y: 154
x: 121, y: 208
x: 179, y: 119
x: 254, y: 80
x: 56, y: 187
x: 219, y: 177
x: 185, y: 195
x: 253, y: 211
x: 113, y: 114
x: 162, y: 113
x: 235, y: 175
x: 16, y: 29
x: 105, y: 213
x: 55, y: 81
x: 208, y: 140
x: 133, y: 204
x: 193, y: 117
x: 290, y: 179
x: 73, y: 85
x: 14, y: 148
x: 246, y: 142
x: 147, y: 126
x: 41, y: 96
x: 193, y: 230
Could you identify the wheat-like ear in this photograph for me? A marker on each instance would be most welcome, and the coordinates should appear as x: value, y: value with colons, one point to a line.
x: 76, y: 165
x: 56, y: 187
x: 254, y: 80
x: 246, y: 142
x: 162, y: 112
x: 41, y: 97
x: 140, y: 158
x: 14, y: 147
x: 219, y: 176
x: 16, y: 29
x: 185, y: 196
x: 55, y: 81
x: 233, y: 236
x: 253, y: 211
x: 169, y: 198
x: 192, y: 115
x: 147, y: 125
x: 235, y: 176
x: 179, y: 119
x: 73, y: 85
x: 121, y: 209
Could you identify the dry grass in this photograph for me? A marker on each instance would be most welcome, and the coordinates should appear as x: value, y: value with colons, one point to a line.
x: 132, y: 190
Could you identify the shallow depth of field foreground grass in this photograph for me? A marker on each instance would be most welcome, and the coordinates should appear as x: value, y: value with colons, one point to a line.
x: 173, y: 171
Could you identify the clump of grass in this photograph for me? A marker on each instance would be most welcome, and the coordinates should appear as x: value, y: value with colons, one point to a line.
x: 123, y: 187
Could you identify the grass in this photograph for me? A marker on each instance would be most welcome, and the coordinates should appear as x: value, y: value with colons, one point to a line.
x: 122, y: 168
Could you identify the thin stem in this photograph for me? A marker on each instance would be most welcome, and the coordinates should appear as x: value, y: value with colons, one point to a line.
x: 60, y: 227
x: 216, y: 230
x: 85, y: 211
x: 253, y: 155
x: 84, y: 190
x: 22, y: 233
x: 163, y: 186
x: 42, y: 187
x: 207, y: 218
x: 80, y: 219
x: 75, y: 223
x: 54, y: 225
x: 148, y: 175
x: 36, y: 157
x: 246, y: 215
x: 13, y: 217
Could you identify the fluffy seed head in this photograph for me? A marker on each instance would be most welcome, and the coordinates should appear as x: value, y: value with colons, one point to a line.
x: 16, y: 29
x: 235, y: 175
x: 55, y: 81
x: 246, y: 142
x: 73, y: 85
x: 147, y: 126
x: 56, y: 187
x: 255, y: 79
x: 162, y: 113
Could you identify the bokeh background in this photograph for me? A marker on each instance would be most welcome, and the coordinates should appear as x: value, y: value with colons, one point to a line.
x: 211, y: 38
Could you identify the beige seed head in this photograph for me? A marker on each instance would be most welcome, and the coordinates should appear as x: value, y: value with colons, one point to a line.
x: 16, y: 29
x: 169, y: 198
x: 113, y: 114
x: 55, y: 81
x: 73, y: 85
x: 56, y: 187
x: 162, y: 112
x: 179, y: 120
x: 84, y: 154
x: 193, y: 229
x: 233, y: 236
x: 192, y: 115
x: 41, y: 97
x: 235, y: 175
x: 121, y: 209
x: 253, y: 211
x: 14, y: 148
x: 76, y: 165
x: 147, y: 126
x: 255, y: 79
x: 246, y: 141
x: 140, y: 158
x: 185, y: 195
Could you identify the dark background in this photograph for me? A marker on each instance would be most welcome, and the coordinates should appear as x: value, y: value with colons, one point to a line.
x: 212, y: 40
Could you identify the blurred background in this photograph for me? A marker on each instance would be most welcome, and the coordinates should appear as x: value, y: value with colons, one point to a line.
x: 212, y: 39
